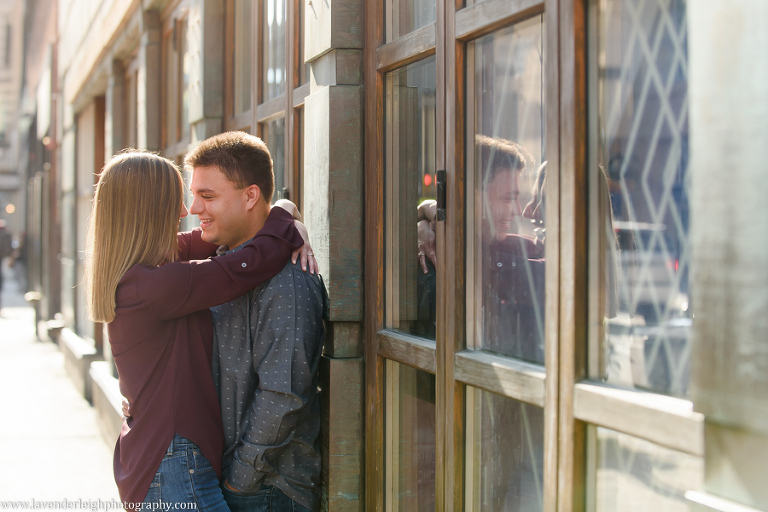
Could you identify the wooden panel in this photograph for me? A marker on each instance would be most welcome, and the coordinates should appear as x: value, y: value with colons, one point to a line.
x: 552, y: 293
x: 573, y: 250
x: 508, y: 377
x: 344, y: 339
x: 488, y: 15
x: 666, y: 421
x: 406, y: 349
x: 374, y: 264
x: 342, y: 433
x: 300, y: 94
x: 409, y: 48
x: 451, y: 320
x: 271, y: 109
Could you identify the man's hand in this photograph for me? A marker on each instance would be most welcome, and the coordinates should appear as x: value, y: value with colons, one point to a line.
x: 126, y: 409
x: 227, y: 485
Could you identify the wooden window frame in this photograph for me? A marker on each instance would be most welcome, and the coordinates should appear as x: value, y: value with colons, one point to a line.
x: 572, y: 402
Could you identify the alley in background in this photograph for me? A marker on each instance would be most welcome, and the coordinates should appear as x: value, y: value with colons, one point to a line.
x: 50, y: 445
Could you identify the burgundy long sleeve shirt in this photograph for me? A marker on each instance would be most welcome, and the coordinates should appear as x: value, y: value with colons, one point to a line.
x: 161, y: 340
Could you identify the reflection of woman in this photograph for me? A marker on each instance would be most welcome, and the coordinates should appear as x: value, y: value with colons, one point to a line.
x: 160, y: 328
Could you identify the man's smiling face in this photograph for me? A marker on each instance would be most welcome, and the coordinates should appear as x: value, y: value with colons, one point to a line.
x: 221, y: 207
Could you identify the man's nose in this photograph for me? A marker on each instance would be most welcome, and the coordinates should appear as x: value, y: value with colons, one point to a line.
x: 196, y: 207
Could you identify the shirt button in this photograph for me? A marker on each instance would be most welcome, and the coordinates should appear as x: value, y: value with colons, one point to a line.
x: 243, y: 264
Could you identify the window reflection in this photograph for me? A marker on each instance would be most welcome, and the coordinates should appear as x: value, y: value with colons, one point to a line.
x: 410, y: 15
x: 171, y: 84
x: 642, y: 67
x: 274, y: 49
x: 242, y: 61
x: 506, y: 453
x: 410, y: 193
x: 186, y: 66
x: 636, y: 475
x: 411, y: 424
x: 273, y: 135
x: 507, y: 222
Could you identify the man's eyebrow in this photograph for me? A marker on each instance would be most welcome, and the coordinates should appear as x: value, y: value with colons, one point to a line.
x: 201, y: 190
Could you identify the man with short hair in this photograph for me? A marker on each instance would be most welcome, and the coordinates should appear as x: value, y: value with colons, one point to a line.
x: 268, y: 341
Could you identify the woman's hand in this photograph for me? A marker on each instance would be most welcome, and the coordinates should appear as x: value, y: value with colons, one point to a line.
x: 290, y: 207
x: 427, y: 249
x: 126, y: 409
x: 305, y: 252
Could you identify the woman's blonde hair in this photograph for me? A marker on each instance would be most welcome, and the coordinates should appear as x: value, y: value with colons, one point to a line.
x: 134, y: 221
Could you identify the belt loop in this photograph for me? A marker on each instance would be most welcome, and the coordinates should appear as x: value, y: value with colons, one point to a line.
x: 170, y: 446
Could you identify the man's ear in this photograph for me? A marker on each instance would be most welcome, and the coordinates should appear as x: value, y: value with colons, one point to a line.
x: 252, y: 196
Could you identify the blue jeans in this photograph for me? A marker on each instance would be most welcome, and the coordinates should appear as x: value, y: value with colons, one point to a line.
x: 266, y: 499
x: 187, y: 478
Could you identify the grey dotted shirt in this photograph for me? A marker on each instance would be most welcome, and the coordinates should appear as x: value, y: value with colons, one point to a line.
x: 267, y: 348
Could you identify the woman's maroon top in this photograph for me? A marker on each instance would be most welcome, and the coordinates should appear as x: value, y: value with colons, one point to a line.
x: 161, y: 341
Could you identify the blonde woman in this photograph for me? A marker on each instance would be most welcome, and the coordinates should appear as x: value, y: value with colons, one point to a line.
x: 153, y: 288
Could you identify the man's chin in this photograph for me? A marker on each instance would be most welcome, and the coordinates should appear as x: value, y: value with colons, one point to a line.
x: 210, y: 238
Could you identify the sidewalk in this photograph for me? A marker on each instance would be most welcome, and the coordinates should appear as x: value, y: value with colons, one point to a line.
x: 50, y: 445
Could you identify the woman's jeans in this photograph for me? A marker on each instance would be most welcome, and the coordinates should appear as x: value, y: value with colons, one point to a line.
x: 186, y: 479
x: 266, y: 499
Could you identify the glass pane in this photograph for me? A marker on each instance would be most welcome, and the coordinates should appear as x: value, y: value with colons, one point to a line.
x: 642, y: 65
x: 410, y: 182
x: 411, y: 438
x: 298, y: 192
x: 506, y: 225
x: 505, y: 453
x: 410, y: 15
x: 131, y: 109
x: 273, y: 135
x: 634, y: 475
x: 274, y: 49
x: 303, y: 66
x: 242, y: 61
x: 186, y: 66
x: 171, y: 90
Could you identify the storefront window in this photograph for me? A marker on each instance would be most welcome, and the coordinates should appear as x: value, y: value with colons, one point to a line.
x: 506, y: 218
x: 273, y: 72
x: 411, y: 423
x: 242, y: 62
x: 633, y: 474
x: 505, y: 453
x: 273, y: 135
x: 410, y: 15
x: 410, y: 183
x: 642, y: 193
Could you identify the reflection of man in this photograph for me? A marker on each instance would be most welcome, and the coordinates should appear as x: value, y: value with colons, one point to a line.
x: 513, y: 311
x: 511, y: 434
x: 513, y: 264
x: 268, y: 342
